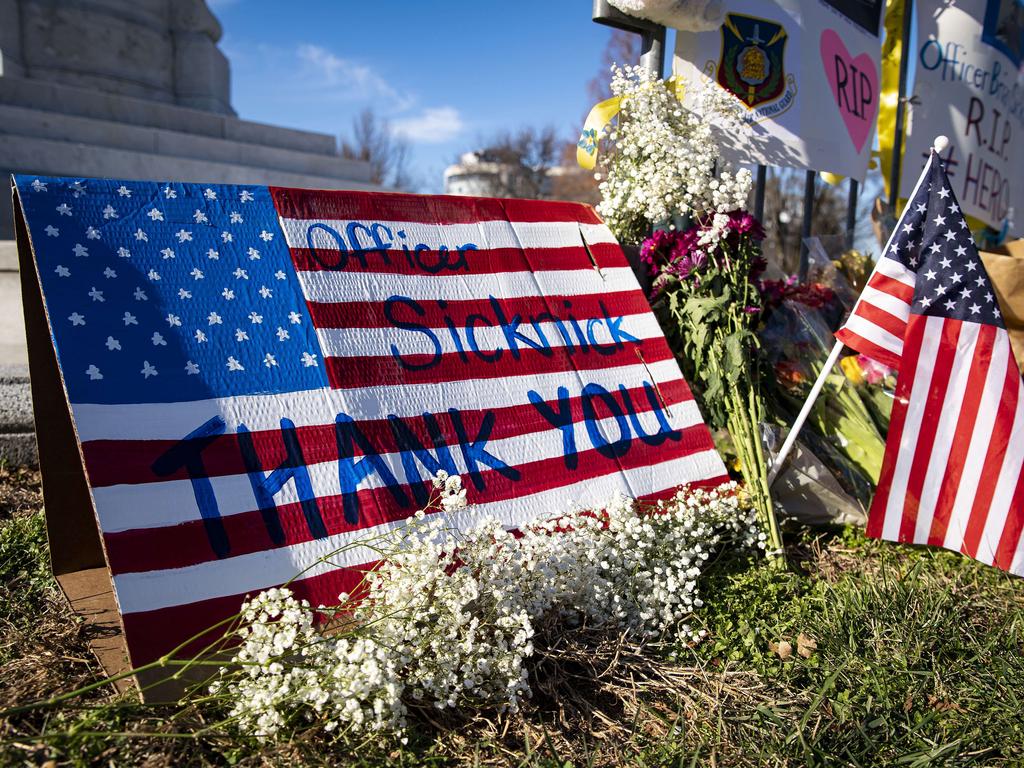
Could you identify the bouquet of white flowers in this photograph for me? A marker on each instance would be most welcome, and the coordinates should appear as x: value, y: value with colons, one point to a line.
x: 449, y: 619
x: 661, y: 160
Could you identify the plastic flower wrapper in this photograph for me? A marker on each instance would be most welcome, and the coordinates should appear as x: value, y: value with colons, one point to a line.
x: 796, y: 339
x: 876, y: 383
x: 705, y: 294
x: 856, y: 267
x: 831, y: 264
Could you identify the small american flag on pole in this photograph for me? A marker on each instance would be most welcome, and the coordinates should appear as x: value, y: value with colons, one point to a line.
x: 952, y: 474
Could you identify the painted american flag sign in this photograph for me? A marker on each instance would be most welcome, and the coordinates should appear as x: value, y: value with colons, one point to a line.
x: 261, y: 376
x: 953, y: 473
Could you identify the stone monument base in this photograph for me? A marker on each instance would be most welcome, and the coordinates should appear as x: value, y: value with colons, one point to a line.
x: 60, y: 130
x: 54, y: 129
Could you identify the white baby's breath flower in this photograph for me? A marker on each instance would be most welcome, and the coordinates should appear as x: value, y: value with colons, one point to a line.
x: 450, y: 616
x: 664, y: 160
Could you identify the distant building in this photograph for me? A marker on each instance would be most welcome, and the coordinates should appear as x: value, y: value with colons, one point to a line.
x: 485, y: 174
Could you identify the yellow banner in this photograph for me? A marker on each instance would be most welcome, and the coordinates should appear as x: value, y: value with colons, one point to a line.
x: 892, y: 49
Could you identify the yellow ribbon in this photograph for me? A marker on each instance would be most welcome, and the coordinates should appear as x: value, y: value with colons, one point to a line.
x: 603, y: 113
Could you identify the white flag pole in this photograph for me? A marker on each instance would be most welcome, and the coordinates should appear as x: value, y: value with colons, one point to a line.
x: 787, y: 446
x: 940, y: 143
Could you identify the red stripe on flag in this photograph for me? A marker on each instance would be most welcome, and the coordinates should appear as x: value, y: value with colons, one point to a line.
x: 148, y: 549
x: 980, y: 361
x: 994, y: 457
x: 353, y: 372
x: 904, y: 384
x: 471, y: 262
x: 113, y: 462
x: 891, y: 286
x: 359, y: 314
x: 149, y: 638
x: 347, y: 205
x: 935, y: 404
x: 869, y: 348
x: 884, y: 320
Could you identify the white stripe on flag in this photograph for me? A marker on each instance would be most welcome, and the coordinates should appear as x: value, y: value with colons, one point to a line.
x: 945, y: 430
x: 895, y: 270
x: 172, y: 421
x: 337, y: 287
x: 875, y: 334
x: 1009, y: 474
x: 152, y: 590
x: 974, y: 461
x: 377, y: 342
x: 483, y: 234
x: 172, y: 502
x: 887, y: 302
x: 911, y: 427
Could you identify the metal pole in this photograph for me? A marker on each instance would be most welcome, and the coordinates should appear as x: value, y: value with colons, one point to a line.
x: 652, y: 50
x: 806, y: 227
x: 652, y: 43
x: 762, y: 177
x: 851, y: 213
x: 901, y: 107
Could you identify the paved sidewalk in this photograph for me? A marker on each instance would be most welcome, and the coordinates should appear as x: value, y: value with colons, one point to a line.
x: 17, y: 435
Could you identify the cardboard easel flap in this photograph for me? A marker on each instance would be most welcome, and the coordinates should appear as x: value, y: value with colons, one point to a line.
x: 76, y: 550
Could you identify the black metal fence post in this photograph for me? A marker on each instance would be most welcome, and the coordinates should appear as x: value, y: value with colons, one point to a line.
x: 652, y: 42
x: 806, y: 224
x: 851, y: 213
x: 759, y: 182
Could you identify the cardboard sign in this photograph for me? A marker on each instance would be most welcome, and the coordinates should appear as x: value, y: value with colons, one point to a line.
x: 806, y: 73
x: 968, y: 86
x: 255, y: 378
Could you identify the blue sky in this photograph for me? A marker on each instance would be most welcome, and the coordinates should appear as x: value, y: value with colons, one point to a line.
x: 445, y: 73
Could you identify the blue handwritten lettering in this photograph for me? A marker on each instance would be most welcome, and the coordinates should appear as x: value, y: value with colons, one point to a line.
x: 389, y: 309
x: 188, y: 453
x: 265, y: 487
x: 351, y: 472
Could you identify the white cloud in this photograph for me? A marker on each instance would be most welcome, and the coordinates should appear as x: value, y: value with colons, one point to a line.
x: 358, y: 80
x: 433, y: 125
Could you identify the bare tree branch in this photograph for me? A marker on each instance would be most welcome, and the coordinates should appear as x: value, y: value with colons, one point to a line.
x: 373, y: 142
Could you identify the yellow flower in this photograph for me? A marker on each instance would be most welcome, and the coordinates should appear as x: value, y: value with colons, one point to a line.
x: 852, y: 369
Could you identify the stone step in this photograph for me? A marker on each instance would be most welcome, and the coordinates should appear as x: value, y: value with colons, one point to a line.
x: 17, y: 428
x: 47, y: 157
x: 69, y: 100
x: 55, y: 158
x: 34, y: 123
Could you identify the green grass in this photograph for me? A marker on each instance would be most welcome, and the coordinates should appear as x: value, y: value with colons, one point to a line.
x: 919, y: 658
x: 918, y: 663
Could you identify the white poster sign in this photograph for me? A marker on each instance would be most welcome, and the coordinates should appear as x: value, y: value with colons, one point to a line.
x: 807, y: 74
x: 969, y: 86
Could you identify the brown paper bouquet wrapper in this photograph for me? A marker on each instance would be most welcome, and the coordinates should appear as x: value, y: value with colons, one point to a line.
x: 1006, y: 268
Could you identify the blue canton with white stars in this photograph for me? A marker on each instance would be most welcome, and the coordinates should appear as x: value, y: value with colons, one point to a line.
x: 169, y: 292
x: 933, y: 240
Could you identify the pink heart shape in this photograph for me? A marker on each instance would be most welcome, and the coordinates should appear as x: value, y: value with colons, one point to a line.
x: 854, y: 85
